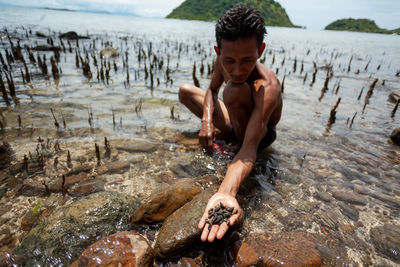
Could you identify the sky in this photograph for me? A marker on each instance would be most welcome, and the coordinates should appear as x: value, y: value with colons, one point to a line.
x: 313, y: 14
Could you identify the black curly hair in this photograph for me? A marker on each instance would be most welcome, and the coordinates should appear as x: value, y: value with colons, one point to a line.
x: 240, y: 22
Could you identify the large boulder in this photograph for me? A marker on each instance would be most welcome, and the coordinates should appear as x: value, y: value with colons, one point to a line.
x: 120, y: 249
x: 61, y: 237
x: 387, y: 241
x: 288, y: 249
x: 395, y: 136
x: 179, y: 231
x: 160, y: 205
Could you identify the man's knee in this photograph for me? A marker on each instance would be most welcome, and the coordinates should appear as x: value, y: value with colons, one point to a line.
x: 185, y: 90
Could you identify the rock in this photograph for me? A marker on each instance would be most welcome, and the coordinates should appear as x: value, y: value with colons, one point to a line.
x: 29, y: 220
x: 109, y: 51
x: 160, y: 205
x: 350, y: 212
x: 8, y: 258
x: 395, y: 136
x: 136, y: 146
x: 386, y: 198
x: 182, y: 170
x: 321, y: 195
x: 188, y: 140
x: 328, y: 218
x: 89, y: 187
x: 245, y: 254
x: 61, y: 237
x: 46, y: 48
x: 114, y: 167
x: 55, y: 186
x: 77, y: 170
x: 179, y: 231
x: 70, y: 35
x: 387, y: 240
x: 350, y: 197
x: 40, y: 34
x: 120, y: 249
x: 394, y: 96
x: 288, y: 249
x: 6, y: 154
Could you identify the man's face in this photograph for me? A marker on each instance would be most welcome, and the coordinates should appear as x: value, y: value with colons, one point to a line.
x: 238, y: 58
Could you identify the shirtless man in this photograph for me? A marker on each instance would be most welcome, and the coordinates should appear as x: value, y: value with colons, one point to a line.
x: 251, y: 106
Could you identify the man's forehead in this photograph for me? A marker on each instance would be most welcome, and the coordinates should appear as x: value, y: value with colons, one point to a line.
x: 239, y: 45
x: 247, y: 41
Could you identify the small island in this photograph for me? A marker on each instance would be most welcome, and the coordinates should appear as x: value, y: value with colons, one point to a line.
x: 359, y: 25
x: 210, y: 10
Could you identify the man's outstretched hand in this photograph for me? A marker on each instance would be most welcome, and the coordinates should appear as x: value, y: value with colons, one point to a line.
x: 218, y: 231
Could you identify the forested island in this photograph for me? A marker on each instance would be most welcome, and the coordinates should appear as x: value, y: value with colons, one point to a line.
x: 358, y: 25
x: 210, y: 10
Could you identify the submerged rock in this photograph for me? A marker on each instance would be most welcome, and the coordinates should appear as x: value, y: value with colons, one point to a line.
x: 6, y: 153
x: 395, y: 136
x: 29, y: 220
x: 394, y: 96
x: 120, y: 249
x: 160, y: 205
x: 179, y: 231
x: 288, y: 249
x: 135, y: 146
x: 350, y: 197
x: 351, y: 212
x: 109, y: 51
x: 61, y: 237
x: 114, y: 167
x: 387, y: 240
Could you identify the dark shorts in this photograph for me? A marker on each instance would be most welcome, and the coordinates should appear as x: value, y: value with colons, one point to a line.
x: 268, y: 139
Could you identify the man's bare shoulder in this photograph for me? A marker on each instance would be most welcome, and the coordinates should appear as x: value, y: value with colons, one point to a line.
x: 267, y: 80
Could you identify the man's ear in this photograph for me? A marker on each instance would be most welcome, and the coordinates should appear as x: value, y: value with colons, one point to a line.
x: 216, y: 49
x: 261, y: 49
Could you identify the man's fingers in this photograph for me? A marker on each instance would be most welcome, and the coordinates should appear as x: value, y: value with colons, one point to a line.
x: 202, y: 221
x: 205, y: 232
x: 213, y: 233
x: 223, y: 228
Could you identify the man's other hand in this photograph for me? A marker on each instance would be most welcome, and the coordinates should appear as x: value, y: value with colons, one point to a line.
x: 206, y: 135
x: 218, y: 231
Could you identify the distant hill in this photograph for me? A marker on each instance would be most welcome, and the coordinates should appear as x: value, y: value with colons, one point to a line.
x: 358, y: 25
x: 211, y: 10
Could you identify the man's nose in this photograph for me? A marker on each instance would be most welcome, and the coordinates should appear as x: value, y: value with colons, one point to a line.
x: 236, y: 69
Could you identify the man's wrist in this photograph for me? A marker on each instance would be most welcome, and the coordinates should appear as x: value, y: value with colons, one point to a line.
x: 227, y: 190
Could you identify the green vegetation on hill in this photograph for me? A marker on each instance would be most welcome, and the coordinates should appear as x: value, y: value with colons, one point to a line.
x: 211, y: 10
x: 358, y: 25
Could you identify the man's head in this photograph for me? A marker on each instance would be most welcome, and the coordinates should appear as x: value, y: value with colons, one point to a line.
x: 240, y: 33
x: 240, y: 22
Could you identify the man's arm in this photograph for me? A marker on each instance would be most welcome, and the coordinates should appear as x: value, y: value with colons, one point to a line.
x: 266, y: 99
x: 206, y: 134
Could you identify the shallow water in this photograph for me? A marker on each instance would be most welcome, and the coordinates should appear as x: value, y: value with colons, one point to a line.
x: 309, y: 158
